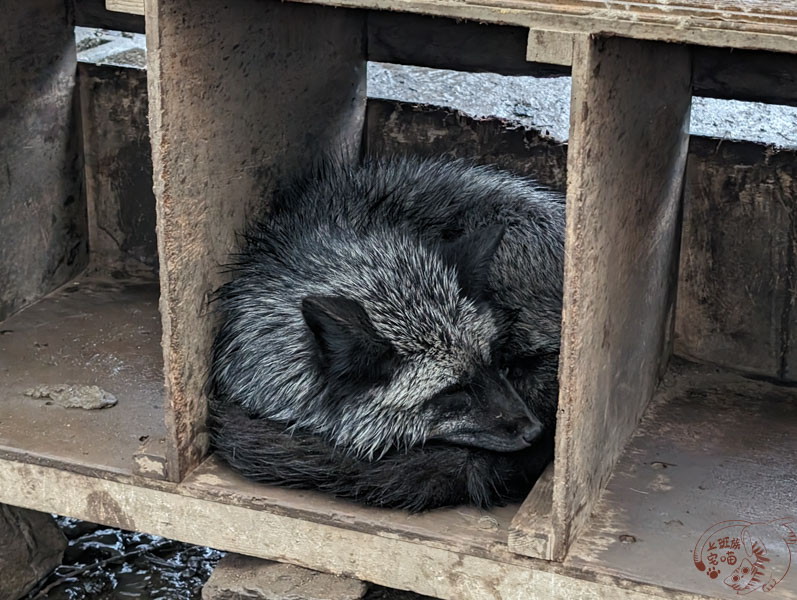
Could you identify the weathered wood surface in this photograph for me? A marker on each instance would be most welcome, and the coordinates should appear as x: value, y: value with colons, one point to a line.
x: 462, y: 528
x: 712, y: 447
x: 745, y: 75
x: 240, y: 95
x: 411, y: 39
x: 94, y: 331
x: 134, y: 7
x: 531, y: 531
x: 628, y: 142
x: 737, y: 288
x: 396, y: 560
x: 43, y: 242
x: 118, y: 167
x: 746, y: 24
x: 394, y: 127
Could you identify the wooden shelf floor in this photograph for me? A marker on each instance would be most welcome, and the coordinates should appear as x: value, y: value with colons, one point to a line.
x: 712, y: 447
x: 94, y: 331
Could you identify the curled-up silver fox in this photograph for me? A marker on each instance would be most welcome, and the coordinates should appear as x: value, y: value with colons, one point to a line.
x: 391, y: 335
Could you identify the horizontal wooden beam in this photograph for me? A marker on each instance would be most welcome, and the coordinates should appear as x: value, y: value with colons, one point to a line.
x: 724, y: 23
x: 94, y: 13
x: 187, y: 514
x: 444, y: 43
x: 408, y: 39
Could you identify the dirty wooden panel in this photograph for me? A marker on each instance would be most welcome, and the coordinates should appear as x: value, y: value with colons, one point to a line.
x: 628, y: 143
x: 757, y: 25
x: 94, y: 331
x: 531, y: 531
x: 463, y: 528
x: 738, y: 286
x: 440, y: 43
x: 43, y: 241
x: 117, y: 155
x: 397, y: 561
x: 241, y: 96
x: 745, y: 75
x: 713, y: 447
x: 401, y: 128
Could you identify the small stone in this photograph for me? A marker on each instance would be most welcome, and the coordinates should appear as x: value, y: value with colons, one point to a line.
x: 31, y: 545
x: 89, y: 397
x: 238, y: 577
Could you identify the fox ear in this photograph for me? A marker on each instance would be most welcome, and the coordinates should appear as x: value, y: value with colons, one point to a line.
x: 348, y: 344
x: 471, y: 256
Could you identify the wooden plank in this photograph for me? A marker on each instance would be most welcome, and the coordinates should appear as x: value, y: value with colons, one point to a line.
x: 745, y: 75
x: 713, y: 447
x: 462, y: 528
x: 93, y: 13
x: 547, y: 46
x: 441, y: 43
x: 629, y: 125
x: 43, y: 241
x: 118, y: 168
x: 95, y: 331
x: 531, y: 532
x: 744, y: 24
x: 737, y: 276
x: 395, y: 560
x: 241, y: 95
x: 394, y: 127
x: 134, y: 7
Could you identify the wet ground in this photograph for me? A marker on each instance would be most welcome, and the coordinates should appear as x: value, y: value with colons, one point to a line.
x: 103, y: 563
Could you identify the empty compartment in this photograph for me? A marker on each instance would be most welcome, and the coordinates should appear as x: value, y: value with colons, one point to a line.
x: 81, y: 377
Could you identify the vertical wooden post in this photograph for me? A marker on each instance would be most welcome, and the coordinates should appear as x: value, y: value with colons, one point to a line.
x: 241, y: 94
x: 42, y: 206
x: 628, y: 143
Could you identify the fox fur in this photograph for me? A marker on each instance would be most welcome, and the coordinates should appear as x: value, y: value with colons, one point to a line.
x: 391, y: 335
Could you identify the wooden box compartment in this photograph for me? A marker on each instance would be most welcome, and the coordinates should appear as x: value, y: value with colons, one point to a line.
x: 73, y: 310
x: 241, y: 95
x: 265, y: 98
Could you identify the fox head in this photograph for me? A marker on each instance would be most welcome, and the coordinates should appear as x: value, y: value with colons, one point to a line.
x: 412, y: 361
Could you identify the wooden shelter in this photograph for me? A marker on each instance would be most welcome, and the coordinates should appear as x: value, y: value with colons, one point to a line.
x: 651, y: 450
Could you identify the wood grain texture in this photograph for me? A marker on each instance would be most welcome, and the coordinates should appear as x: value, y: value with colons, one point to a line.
x: 94, y: 331
x: 43, y: 239
x: 531, y: 531
x: 713, y: 446
x: 629, y: 124
x: 394, y: 559
x: 118, y: 168
x: 755, y: 24
x: 135, y: 7
x: 553, y: 47
x: 737, y: 287
x: 241, y: 96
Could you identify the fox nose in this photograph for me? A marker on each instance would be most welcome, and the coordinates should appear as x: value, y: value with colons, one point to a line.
x: 530, y: 432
